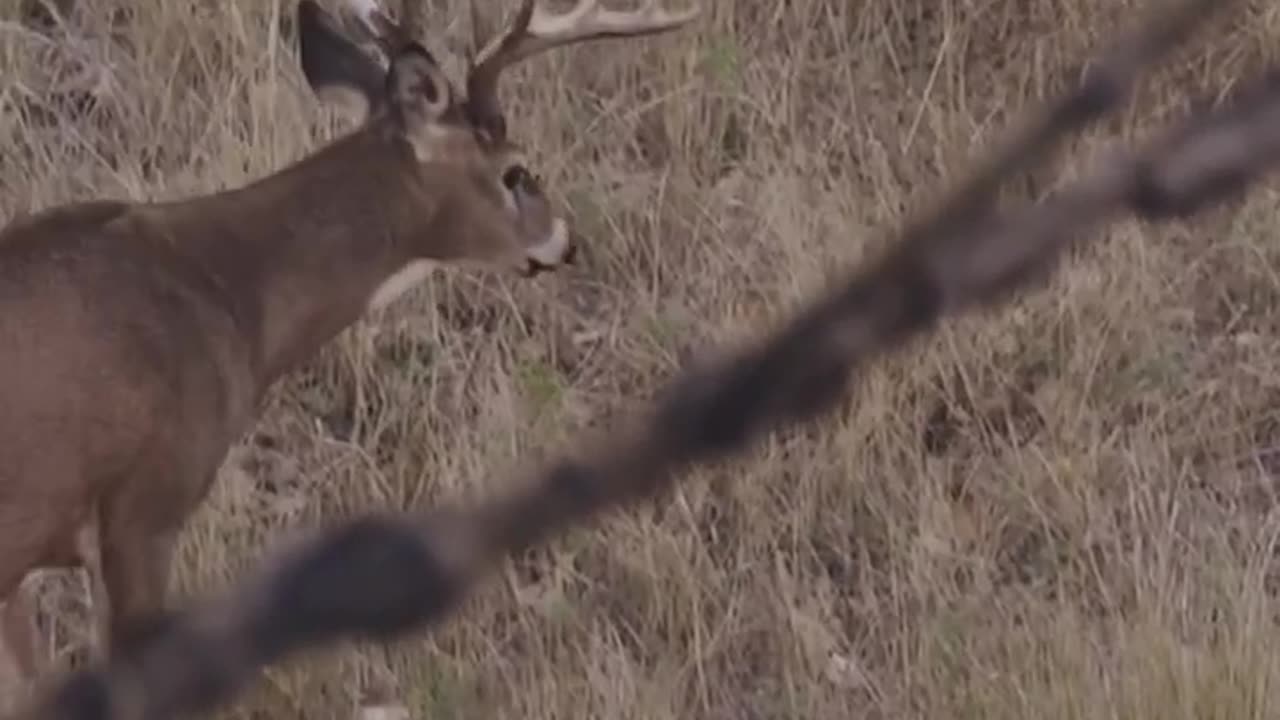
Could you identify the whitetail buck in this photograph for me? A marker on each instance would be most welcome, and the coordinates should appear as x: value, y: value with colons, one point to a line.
x: 137, y: 339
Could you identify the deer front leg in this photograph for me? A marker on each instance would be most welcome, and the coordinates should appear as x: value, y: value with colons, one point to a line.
x: 89, y: 549
x: 135, y: 561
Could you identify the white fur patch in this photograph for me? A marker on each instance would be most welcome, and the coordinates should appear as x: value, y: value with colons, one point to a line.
x: 401, y: 282
x: 432, y: 142
x: 365, y: 10
x: 383, y: 712
x: 552, y: 250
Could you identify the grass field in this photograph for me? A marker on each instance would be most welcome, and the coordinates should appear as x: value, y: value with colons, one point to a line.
x: 1067, y: 508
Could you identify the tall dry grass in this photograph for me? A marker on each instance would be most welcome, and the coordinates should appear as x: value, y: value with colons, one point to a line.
x: 1064, y: 509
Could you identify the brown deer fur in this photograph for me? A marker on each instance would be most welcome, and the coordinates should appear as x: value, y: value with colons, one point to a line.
x: 137, y: 339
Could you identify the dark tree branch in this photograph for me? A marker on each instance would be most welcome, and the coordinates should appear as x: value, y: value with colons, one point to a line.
x: 380, y: 577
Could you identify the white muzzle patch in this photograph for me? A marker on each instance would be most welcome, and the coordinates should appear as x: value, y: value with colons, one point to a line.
x: 552, y: 250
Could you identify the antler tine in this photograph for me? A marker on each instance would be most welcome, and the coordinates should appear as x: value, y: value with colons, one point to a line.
x: 543, y: 30
x: 390, y: 36
x: 412, y: 22
x: 536, y: 30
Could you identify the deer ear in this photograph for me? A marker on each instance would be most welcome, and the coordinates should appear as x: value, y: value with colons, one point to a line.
x: 337, y: 70
x: 417, y: 87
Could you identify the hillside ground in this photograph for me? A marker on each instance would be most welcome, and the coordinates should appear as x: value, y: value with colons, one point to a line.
x: 1065, y: 508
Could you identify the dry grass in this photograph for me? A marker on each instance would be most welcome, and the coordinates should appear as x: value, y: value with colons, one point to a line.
x: 1063, y: 509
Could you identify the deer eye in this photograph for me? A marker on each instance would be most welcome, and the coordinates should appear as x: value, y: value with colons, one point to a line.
x: 514, y: 177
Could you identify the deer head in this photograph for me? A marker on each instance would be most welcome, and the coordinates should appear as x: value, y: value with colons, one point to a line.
x: 455, y: 142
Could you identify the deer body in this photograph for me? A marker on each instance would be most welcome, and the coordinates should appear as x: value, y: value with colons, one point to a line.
x: 137, y: 340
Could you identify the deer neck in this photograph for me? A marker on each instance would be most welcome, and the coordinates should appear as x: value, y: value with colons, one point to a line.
x: 302, y: 254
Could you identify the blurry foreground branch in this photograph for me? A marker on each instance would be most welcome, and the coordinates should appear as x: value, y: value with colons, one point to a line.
x: 384, y: 576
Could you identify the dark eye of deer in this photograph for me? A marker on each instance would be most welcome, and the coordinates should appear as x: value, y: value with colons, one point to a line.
x: 514, y: 177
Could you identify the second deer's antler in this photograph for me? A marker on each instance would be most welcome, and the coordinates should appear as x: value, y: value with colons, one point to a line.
x: 536, y: 30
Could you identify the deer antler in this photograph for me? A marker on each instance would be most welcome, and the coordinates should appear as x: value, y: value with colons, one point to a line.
x: 536, y: 30
x: 390, y: 36
x: 413, y: 18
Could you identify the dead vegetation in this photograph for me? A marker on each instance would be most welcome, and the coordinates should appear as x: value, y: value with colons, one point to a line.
x: 1062, y: 508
